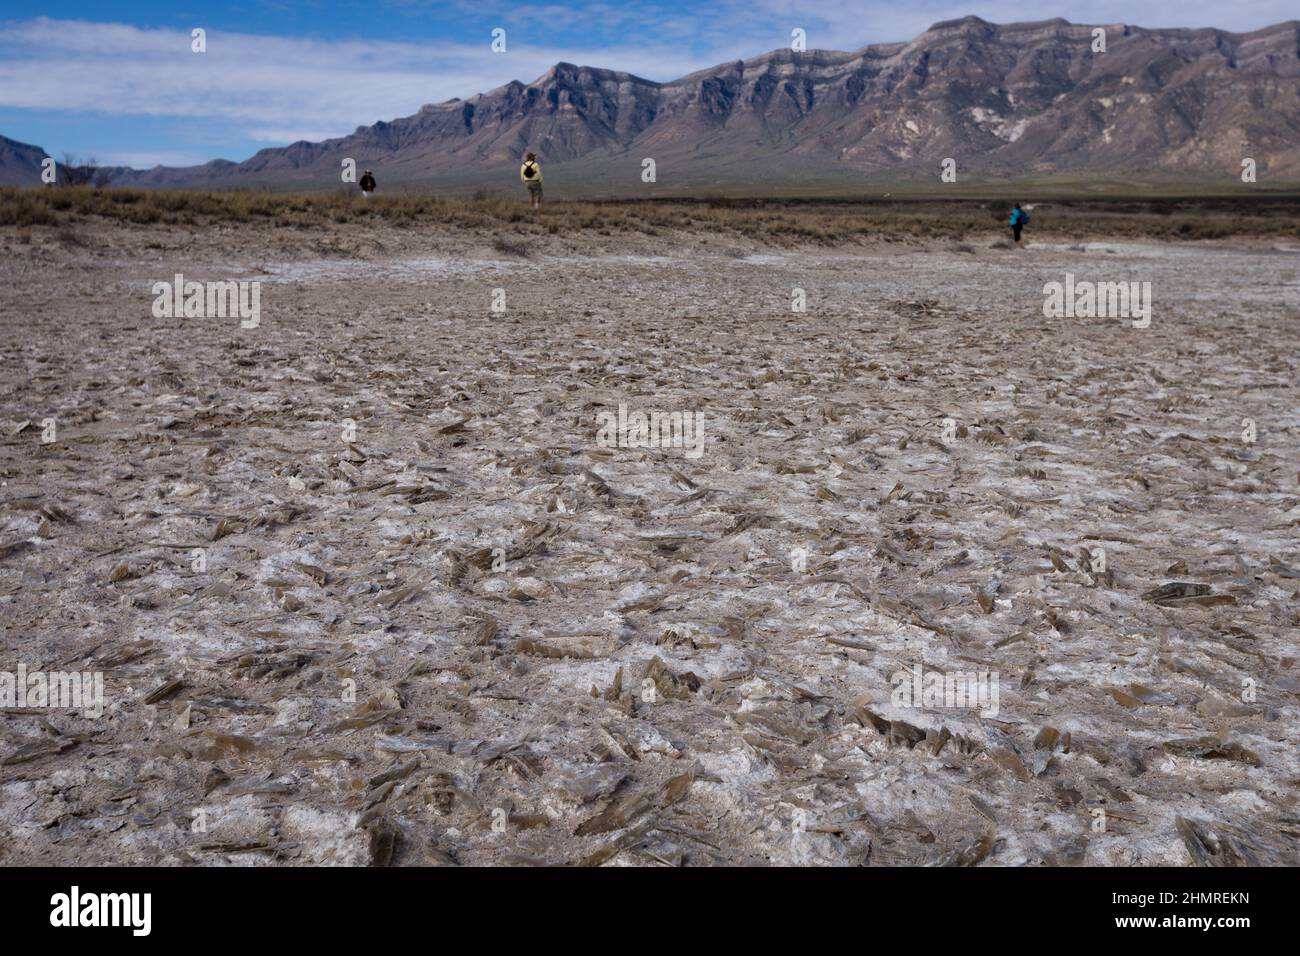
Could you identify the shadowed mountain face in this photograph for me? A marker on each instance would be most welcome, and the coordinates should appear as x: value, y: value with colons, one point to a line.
x: 1021, y: 100
x: 20, y: 164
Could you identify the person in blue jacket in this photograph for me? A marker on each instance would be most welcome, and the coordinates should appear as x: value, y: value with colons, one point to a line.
x: 1019, y: 219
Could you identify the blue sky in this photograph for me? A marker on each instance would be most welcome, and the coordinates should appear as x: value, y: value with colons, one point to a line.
x: 118, y: 81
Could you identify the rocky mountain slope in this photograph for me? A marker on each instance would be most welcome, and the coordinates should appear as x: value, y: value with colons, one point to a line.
x: 1004, y: 101
x: 20, y: 163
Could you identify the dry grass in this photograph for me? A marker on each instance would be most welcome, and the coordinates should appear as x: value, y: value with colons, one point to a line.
x: 511, y: 247
x: 778, y: 222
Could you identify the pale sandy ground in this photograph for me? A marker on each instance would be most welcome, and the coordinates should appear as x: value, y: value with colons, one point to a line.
x: 766, y: 732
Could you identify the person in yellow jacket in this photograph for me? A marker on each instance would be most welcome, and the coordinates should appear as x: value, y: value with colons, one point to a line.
x: 530, y: 174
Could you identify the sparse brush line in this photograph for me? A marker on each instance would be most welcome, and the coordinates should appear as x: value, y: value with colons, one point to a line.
x: 825, y: 222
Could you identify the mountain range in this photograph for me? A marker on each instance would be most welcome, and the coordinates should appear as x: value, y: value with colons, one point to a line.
x: 1021, y: 101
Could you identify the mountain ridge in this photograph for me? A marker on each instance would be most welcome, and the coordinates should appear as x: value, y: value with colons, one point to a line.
x: 1026, y: 99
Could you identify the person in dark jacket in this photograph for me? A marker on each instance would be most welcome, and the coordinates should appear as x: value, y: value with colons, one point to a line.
x: 1019, y: 219
x: 367, y: 183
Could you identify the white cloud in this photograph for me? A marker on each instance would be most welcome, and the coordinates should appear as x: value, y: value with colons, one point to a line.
x: 148, y: 159
x: 270, y: 83
x: 281, y: 135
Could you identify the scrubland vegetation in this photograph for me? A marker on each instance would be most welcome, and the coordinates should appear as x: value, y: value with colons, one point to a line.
x: 779, y: 221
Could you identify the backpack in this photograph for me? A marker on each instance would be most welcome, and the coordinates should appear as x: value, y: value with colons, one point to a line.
x: 1024, y: 218
x: 530, y: 170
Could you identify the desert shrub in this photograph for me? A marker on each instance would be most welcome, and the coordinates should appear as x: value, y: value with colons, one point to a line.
x: 511, y: 247
x: 780, y: 223
x: 77, y: 172
x: 27, y: 210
